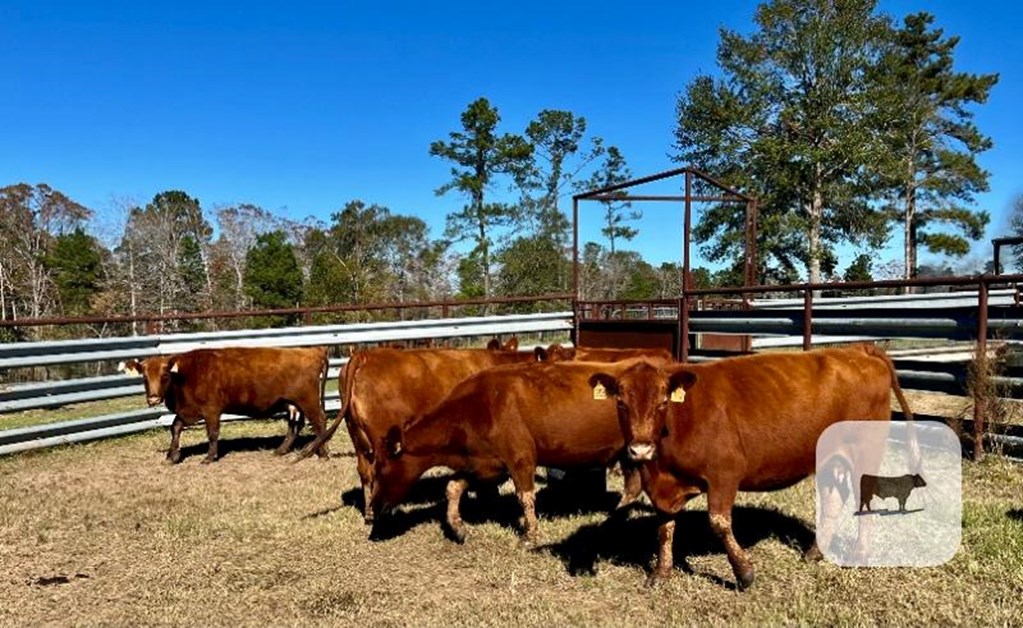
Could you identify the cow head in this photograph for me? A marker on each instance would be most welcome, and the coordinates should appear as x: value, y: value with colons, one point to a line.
x: 512, y: 344
x: 918, y: 481
x: 390, y: 484
x: 156, y: 375
x: 555, y: 353
x: 643, y: 393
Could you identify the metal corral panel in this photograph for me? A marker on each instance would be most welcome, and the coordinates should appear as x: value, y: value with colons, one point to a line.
x: 1003, y: 296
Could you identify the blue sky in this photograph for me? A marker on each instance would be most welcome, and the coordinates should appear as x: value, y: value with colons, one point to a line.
x: 299, y: 107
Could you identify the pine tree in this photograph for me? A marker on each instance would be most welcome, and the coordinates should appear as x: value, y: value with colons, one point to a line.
x: 932, y: 142
x: 787, y: 122
x: 480, y: 155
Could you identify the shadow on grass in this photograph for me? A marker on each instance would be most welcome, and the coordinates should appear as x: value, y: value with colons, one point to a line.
x: 887, y: 512
x: 483, y: 504
x: 633, y: 542
x: 1016, y: 514
x: 228, y: 446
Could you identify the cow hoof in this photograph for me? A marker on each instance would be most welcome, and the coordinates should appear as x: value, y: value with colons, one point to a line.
x: 323, y: 452
x: 368, y: 517
x: 208, y: 460
x: 458, y: 534
x: 813, y: 555
x: 174, y: 457
x: 527, y: 542
x: 744, y: 581
x: 656, y: 578
x: 280, y: 451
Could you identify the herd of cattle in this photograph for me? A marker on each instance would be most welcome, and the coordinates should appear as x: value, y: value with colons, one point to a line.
x: 678, y: 430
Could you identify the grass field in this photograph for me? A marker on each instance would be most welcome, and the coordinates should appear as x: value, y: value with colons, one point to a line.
x: 106, y: 533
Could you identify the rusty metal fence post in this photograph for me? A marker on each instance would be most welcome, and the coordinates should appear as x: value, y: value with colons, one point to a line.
x: 807, y: 318
x: 683, y: 328
x: 981, y: 374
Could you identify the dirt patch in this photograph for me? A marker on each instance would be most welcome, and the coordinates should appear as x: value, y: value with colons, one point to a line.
x: 106, y: 533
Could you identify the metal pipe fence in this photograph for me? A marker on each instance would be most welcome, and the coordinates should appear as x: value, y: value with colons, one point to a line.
x: 49, y: 394
x: 991, y: 309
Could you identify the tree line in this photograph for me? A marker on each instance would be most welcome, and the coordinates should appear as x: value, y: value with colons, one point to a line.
x: 175, y: 256
x: 846, y: 125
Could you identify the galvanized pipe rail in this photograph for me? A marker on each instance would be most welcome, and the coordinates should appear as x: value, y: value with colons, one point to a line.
x: 51, y: 394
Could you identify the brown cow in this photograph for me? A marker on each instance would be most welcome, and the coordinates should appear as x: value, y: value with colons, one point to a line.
x: 383, y: 387
x: 559, y: 353
x: 252, y: 381
x: 506, y: 421
x: 883, y: 486
x: 747, y: 423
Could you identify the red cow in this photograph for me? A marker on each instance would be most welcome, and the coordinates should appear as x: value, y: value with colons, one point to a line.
x: 252, y: 381
x: 507, y: 421
x: 383, y: 387
x: 559, y: 353
x: 747, y: 423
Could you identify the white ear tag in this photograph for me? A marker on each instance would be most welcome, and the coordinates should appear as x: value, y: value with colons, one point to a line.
x: 599, y: 392
x: 174, y: 368
x: 678, y: 395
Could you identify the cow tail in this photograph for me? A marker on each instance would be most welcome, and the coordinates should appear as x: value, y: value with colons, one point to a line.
x: 346, y: 379
x: 914, y: 446
x: 324, y: 375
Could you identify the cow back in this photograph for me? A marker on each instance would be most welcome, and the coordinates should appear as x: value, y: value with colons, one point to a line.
x: 765, y: 413
x: 246, y: 380
x: 392, y: 386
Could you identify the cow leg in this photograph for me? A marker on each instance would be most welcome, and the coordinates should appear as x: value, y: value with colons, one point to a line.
x: 213, y: 434
x: 455, y: 524
x: 719, y: 505
x: 296, y: 419
x: 831, y: 509
x: 318, y: 421
x: 365, y: 468
x: 665, y: 541
x: 525, y: 490
x: 174, y: 453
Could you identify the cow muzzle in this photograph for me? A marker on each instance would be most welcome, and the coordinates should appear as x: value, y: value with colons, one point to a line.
x: 641, y: 451
x: 154, y: 400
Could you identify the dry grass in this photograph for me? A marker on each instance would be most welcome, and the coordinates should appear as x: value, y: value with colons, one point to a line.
x: 106, y: 533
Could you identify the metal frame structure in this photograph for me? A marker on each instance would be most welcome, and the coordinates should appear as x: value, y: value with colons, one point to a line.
x: 997, y: 244
x: 724, y: 194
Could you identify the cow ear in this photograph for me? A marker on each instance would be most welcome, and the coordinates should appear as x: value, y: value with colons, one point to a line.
x: 603, y: 385
x: 392, y: 442
x: 540, y: 353
x: 679, y: 384
x: 494, y: 344
x: 511, y: 345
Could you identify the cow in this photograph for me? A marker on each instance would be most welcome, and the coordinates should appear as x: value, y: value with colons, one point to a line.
x: 252, y: 381
x: 746, y: 423
x: 383, y: 387
x: 898, y: 487
x: 559, y: 353
x: 503, y: 422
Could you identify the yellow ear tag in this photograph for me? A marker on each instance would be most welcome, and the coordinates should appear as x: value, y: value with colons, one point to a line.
x: 678, y: 395
x: 599, y: 392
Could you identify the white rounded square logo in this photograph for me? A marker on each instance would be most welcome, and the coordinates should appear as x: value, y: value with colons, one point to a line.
x: 889, y: 494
